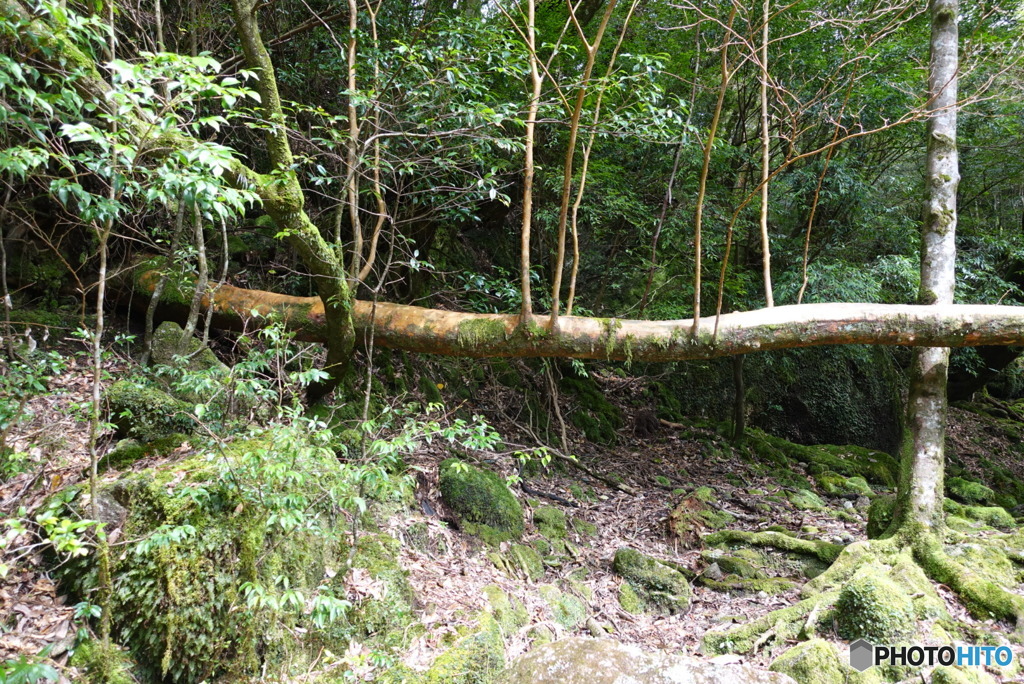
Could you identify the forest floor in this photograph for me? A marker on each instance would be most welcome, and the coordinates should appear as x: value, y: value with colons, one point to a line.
x: 449, y: 574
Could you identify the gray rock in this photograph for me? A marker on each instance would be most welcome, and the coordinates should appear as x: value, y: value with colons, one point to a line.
x: 580, y: 660
x: 199, y: 357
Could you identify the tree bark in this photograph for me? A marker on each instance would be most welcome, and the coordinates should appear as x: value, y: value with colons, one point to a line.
x: 920, y: 496
x: 452, y: 333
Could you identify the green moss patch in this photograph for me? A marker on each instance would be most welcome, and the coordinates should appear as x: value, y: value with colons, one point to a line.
x: 146, y: 413
x: 871, y: 606
x: 658, y: 583
x: 968, y: 492
x: 483, y: 502
x: 550, y: 522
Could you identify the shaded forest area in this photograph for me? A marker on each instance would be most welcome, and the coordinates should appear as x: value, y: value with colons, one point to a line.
x: 532, y: 341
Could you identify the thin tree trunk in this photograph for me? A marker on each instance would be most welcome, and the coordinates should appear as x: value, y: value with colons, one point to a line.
x: 154, y: 301
x: 919, y: 503
x: 529, y: 168
x: 202, y: 283
x: 765, y: 162
x: 352, y: 157
x: 574, y: 127
x: 739, y: 400
x: 705, y: 169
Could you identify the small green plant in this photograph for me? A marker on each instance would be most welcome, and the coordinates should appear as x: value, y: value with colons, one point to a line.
x: 20, y: 381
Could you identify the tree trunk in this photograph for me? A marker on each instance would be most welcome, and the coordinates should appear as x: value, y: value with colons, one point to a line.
x: 920, y: 497
x: 452, y: 333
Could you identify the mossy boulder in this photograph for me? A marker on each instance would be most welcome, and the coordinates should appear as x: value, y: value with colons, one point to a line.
x: 806, y: 500
x: 811, y: 662
x: 146, y: 413
x: 484, y: 504
x: 994, y: 516
x: 550, y: 522
x: 834, y: 484
x: 968, y: 492
x: 201, y: 592
x: 871, y: 606
x: 128, y: 451
x: 660, y: 585
x: 629, y: 600
x: 566, y: 609
x: 880, y: 514
x: 476, y: 658
x: 519, y: 561
x: 508, y: 612
x: 193, y: 355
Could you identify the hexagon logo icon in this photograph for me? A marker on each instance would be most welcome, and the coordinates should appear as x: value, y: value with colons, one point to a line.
x: 862, y: 655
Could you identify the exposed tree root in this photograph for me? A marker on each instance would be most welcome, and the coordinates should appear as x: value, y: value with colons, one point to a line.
x: 909, y: 558
x: 983, y: 598
x: 820, y: 549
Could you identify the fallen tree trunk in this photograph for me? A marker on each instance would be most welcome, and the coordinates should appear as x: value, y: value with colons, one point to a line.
x: 452, y: 333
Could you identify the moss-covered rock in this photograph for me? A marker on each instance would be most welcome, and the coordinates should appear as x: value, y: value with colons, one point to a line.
x: 202, y: 591
x: 880, y: 516
x: 834, y: 484
x: 629, y: 600
x: 566, y: 609
x: 806, y: 500
x: 871, y: 606
x: 968, y: 492
x: 146, y: 413
x: 483, y: 502
x: 811, y: 662
x: 994, y: 516
x: 550, y: 522
x: 960, y: 675
x: 659, y: 584
x: 519, y: 561
x: 508, y: 612
x: 477, y: 658
x: 128, y: 451
x: 193, y: 355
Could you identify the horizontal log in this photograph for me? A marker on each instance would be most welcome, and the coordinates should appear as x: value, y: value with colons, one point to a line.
x: 452, y: 333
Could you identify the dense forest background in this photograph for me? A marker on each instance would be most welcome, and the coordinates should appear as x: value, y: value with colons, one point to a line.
x: 275, y: 174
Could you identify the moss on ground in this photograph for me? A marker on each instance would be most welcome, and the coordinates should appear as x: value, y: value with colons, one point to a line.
x: 550, y: 522
x: 871, y: 606
x: 476, y: 658
x: 483, y: 502
x: 128, y: 451
x: 146, y: 413
x: 876, y: 467
x: 508, y: 612
x: 567, y: 610
x: 99, y: 665
x: 659, y: 584
x: 184, y: 598
x: 968, y: 492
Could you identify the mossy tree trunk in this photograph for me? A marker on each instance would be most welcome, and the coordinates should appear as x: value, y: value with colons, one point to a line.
x: 919, y: 503
x: 283, y: 200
